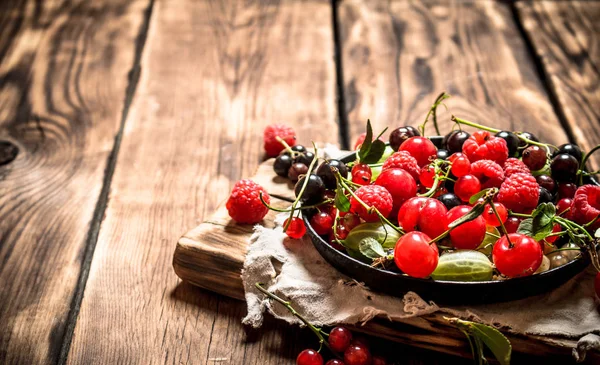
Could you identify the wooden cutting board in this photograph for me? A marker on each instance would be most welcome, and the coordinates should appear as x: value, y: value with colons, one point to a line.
x: 212, y: 255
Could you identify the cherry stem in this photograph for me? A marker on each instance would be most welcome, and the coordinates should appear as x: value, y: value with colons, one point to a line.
x: 295, y: 203
x: 440, y: 237
x: 584, y: 161
x: 287, y: 146
x: 437, y: 178
x: 502, y: 228
x: 317, y: 331
x: 433, y: 111
x: 327, y: 201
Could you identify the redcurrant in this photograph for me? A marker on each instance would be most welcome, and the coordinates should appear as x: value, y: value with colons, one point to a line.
x: 357, y: 354
x: 512, y: 224
x: 490, y: 217
x: 467, y: 186
x: 415, y: 256
x: 296, y: 229
x: 361, y: 174
x: 427, y: 176
x: 309, y: 357
x: 339, y: 339
x: 335, y: 362
x: 563, y: 205
x: 520, y: 257
x: 350, y: 221
x: 534, y: 157
x: 461, y: 165
x: 321, y: 223
x: 566, y: 190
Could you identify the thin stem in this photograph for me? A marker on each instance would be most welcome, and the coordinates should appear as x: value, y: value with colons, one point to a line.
x: 260, y: 195
x: 584, y: 161
x: 433, y: 111
x: 521, y: 215
x: 437, y: 177
x: 295, y: 203
x: 287, y: 146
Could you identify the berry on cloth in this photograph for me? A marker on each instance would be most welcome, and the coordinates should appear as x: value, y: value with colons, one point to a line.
x: 244, y: 205
x: 519, y: 192
x: 405, y: 161
x: 489, y: 173
x: 272, y: 146
x: 483, y: 145
x: 296, y: 228
x: 513, y: 166
x: 373, y: 196
x: 586, y: 205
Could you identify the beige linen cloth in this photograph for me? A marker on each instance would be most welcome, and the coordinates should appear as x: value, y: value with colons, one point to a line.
x: 293, y: 269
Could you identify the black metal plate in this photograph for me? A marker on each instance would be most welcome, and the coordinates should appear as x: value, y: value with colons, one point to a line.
x: 446, y: 292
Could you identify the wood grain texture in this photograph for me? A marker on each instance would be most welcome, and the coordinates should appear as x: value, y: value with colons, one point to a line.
x: 62, y: 90
x: 398, y: 56
x: 566, y: 38
x: 214, y: 74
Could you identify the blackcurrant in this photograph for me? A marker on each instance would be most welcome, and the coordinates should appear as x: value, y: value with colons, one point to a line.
x: 305, y: 158
x: 328, y: 177
x: 443, y: 154
x: 534, y: 157
x: 512, y: 141
x: 546, y: 182
x: 570, y: 149
x: 401, y: 134
x: 564, y: 168
x: 449, y: 200
x: 313, y: 193
x: 296, y: 170
x: 455, y: 141
x: 529, y: 136
x: 545, y: 196
x: 282, y: 164
x: 299, y: 148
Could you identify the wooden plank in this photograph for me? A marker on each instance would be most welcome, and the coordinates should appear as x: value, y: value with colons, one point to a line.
x: 62, y: 93
x: 566, y: 39
x: 398, y: 56
x: 214, y: 75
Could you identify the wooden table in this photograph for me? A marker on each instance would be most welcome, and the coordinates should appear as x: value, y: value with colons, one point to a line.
x: 131, y: 120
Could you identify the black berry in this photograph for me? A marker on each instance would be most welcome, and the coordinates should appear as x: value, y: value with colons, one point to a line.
x: 299, y: 148
x: 296, y: 170
x: 313, y: 193
x: 570, y: 149
x: 564, y: 168
x: 512, y: 141
x: 546, y: 182
x: 328, y: 177
x: 529, y: 136
x: 449, y: 200
x: 401, y: 134
x: 443, y: 154
x: 282, y: 164
x: 305, y: 158
x: 545, y: 196
x: 455, y: 141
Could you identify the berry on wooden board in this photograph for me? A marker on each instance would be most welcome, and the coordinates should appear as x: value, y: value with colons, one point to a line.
x: 244, y: 205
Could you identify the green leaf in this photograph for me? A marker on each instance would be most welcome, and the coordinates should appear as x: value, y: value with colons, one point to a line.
x: 366, y: 145
x: 342, y: 203
x: 526, y: 227
x: 473, y: 213
x: 375, y: 152
x: 371, y: 248
x: 476, y: 197
x: 543, y: 232
x: 494, y: 340
x: 543, y: 215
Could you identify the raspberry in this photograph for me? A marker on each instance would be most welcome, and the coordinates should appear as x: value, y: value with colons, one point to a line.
x: 586, y: 205
x: 405, y: 161
x: 514, y: 165
x: 519, y: 192
x: 483, y: 145
x: 488, y: 172
x: 373, y: 196
x: 272, y: 146
x: 244, y: 204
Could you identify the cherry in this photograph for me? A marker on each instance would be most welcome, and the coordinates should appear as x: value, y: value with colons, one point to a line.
x: 427, y: 176
x: 328, y: 177
x: 461, y: 165
x: 314, y: 190
x: 564, y: 168
x: 563, y: 205
x: 415, y: 256
x: 467, y: 186
x: 334, y: 362
x: 534, y: 157
x: 449, y: 200
x: 468, y: 235
x: 420, y: 148
x: 546, y: 182
x: 545, y: 196
x: 282, y: 165
x: 298, y: 148
x: 296, y: 170
x: 512, y: 141
x: 442, y: 154
x: 409, y: 213
x: 597, y: 285
x: 339, y: 339
x: 322, y: 223
x: 570, y: 149
x: 401, y: 134
x: 296, y: 229
x: 567, y: 190
x: 350, y: 221
x: 432, y: 218
x: 361, y: 174
x: 529, y: 136
x: 309, y: 357
x: 357, y: 355
x: 512, y: 224
x: 455, y: 140
x: 400, y: 184
x: 305, y: 158
x: 490, y: 217
x: 521, y: 259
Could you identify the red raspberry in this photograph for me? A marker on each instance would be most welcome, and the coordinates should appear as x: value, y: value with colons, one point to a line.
x: 519, y: 192
x: 586, y: 205
x: 244, y: 204
x: 483, y: 145
x: 488, y: 172
x: 514, y: 165
x: 405, y: 161
x: 272, y: 146
x: 373, y: 196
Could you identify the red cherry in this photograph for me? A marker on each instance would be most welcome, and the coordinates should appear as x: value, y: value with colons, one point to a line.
x: 342, y: 232
x: 335, y: 362
x: 467, y: 186
x: 379, y: 360
x: 309, y: 357
x: 566, y: 190
x: 420, y: 148
x: 400, y: 184
x: 512, y: 224
x: 427, y: 176
x: 522, y: 259
x: 490, y: 217
x: 415, y: 256
x: 297, y: 229
x: 322, y: 223
x: 563, y: 205
x: 357, y: 354
x: 424, y: 214
x: 361, y: 174
x: 339, y: 339
x: 597, y: 285
x: 408, y: 215
x: 461, y: 165
x: 468, y: 235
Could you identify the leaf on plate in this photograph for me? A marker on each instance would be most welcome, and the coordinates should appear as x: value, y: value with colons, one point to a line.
x: 366, y: 145
x: 341, y: 200
x: 476, y: 197
x: 526, y: 227
x: 473, y: 213
x: 371, y: 248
